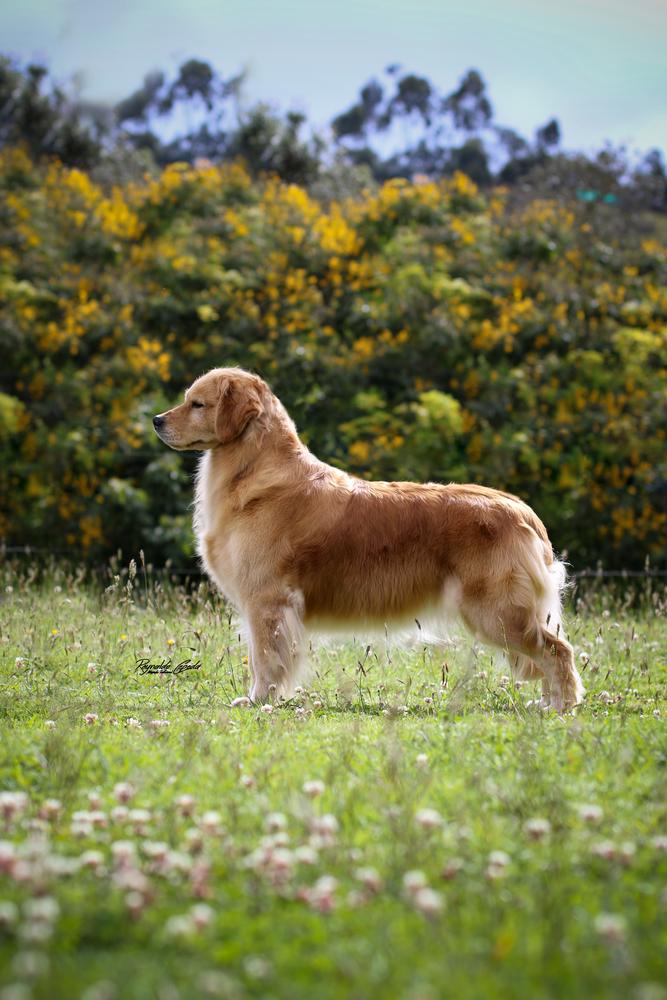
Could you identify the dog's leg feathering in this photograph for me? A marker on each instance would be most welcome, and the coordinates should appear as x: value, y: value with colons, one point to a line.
x: 275, y: 623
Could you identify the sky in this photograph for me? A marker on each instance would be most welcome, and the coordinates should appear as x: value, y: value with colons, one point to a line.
x: 598, y: 66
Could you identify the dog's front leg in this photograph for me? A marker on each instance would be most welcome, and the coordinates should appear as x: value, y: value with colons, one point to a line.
x: 275, y: 624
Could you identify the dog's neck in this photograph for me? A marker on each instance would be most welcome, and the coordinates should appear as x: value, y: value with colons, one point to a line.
x: 268, y: 453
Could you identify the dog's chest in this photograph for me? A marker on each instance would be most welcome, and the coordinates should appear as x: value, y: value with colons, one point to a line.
x: 219, y: 541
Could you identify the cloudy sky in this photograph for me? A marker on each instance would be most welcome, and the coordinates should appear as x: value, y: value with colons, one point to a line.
x: 599, y: 66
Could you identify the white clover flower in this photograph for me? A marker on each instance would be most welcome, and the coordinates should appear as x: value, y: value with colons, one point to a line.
x: 321, y: 896
x: 604, y: 849
x: 428, y: 819
x: 451, y: 868
x: 45, y: 909
x: 12, y: 804
x: 50, y: 809
x: 275, y: 821
x: 537, y: 828
x: 413, y: 881
x: 201, y: 915
x: 313, y: 788
x: 306, y: 855
x: 627, y: 851
x: 92, y: 859
x: 135, y: 902
x: 497, y: 866
x: 185, y: 805
x: 9, y: 913
x: 123, y: 851
x: 124, y: 791
x: 326, y: 825
x: 194, y: 841
x: 428, y: 901
x: 211, y: 822
x: 611, y: 927
x: 591, y: 813
x: 369, y: 878
x: 178, y: 926
x: 156, y: 850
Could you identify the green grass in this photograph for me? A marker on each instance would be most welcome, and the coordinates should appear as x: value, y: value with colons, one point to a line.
x: 578, y: 911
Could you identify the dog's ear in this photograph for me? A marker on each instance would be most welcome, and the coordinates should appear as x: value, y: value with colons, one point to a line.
x: 238, y: 404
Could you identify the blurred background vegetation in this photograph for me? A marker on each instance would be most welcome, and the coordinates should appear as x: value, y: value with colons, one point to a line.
x: 432, y: 295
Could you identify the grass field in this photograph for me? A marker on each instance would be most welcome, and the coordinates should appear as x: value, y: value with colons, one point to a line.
x: 408, y: 826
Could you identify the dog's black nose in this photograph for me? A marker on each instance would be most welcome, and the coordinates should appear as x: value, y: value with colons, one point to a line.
x: 157, y: 422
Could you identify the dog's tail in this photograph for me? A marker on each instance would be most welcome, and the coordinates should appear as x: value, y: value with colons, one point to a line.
x: 548, y: 581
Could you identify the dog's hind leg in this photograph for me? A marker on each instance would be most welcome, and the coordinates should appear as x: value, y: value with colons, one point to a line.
x: 275, y: 623
x: 518, y: 631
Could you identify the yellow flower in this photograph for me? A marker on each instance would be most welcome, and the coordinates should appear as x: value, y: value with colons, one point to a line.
x: 463, y: 231
x: 359, y: 451
x: 364, y: 347
x: 207, y: 314
x: 336, y: 235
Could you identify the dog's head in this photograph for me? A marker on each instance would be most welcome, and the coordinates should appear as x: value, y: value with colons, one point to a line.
x: 219, y: 408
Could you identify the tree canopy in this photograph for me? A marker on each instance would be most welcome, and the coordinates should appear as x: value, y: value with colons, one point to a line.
x: 399, y: 126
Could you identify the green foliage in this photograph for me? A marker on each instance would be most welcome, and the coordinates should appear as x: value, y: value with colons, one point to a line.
x: 428, y: 761
x: 421, y: 331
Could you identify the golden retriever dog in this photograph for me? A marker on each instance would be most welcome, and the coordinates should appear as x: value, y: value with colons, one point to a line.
x: 298, y: 546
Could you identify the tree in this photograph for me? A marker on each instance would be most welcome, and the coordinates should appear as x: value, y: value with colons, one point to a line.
x: 548, y: 136
x: 468, y: 105
x: 42, y: 117
x: 196, y: 79
x: 356, y: 121
x: 414, y: 97
x: 270, y: 145
x: 138, y: 106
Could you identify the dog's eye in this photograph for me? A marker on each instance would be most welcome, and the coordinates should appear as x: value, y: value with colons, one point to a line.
x: 196, y: 406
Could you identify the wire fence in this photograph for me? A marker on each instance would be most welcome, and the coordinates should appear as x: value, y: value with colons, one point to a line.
x: 195, y: 570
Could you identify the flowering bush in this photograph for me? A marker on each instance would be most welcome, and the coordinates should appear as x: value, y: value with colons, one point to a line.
x: 421, y: 331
